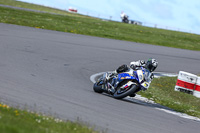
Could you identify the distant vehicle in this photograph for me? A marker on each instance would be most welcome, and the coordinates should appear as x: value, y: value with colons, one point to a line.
x: 134, y: 22
x: 72, y: 10
x: 125, y: 19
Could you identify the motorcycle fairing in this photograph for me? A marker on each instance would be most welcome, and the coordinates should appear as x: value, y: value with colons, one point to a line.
x: 122, y: 76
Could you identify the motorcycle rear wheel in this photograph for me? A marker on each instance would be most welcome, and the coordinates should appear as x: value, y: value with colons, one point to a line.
x: 120, y: 95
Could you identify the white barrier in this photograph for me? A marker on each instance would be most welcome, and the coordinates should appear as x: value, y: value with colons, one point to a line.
x: 197, y: 88
x: 188, y: 83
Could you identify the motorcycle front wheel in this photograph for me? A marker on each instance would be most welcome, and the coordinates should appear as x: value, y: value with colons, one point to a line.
x: 98, y: 86
x: 121, y: 93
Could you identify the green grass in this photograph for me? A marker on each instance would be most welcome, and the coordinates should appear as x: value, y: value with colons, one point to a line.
x: 80, y: 24
x: 35, y: 7
x: 162, y: 91
x: 18, y: 121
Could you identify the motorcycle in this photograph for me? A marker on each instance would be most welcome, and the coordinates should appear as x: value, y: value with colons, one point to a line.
x: 125, y: 19
x: 125, y: 83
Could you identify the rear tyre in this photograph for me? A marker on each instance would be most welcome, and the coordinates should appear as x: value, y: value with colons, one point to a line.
x: 97, y: 88
x: 119, y: 94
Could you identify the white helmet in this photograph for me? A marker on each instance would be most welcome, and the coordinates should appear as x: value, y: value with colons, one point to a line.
x: 151, y: 64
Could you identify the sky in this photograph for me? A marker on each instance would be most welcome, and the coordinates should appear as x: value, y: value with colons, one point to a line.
x: 180, y: 15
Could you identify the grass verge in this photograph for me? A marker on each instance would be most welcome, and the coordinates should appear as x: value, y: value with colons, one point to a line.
x: 162, y: 91
x: 35, y: 7
x: 19, y: 121
x: 80, y: 24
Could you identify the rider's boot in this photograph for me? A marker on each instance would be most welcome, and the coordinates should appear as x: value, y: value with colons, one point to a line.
x: 111, y: 89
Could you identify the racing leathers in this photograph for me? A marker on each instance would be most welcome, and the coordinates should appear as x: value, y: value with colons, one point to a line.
x: 135, y: 65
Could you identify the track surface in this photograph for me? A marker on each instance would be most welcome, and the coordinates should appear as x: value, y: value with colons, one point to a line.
x: 49, y: 71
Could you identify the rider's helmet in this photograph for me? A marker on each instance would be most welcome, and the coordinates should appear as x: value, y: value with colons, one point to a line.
x: 151, y: 64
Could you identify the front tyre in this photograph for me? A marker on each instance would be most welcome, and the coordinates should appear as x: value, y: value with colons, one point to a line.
x: 119, y: 94
x: 97, y: 88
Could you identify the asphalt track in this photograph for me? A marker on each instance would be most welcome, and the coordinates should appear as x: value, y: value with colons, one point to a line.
x: 49, y: 71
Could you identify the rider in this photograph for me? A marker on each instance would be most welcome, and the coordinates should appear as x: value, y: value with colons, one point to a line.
x: 150, y: 65
x: 124, y: 17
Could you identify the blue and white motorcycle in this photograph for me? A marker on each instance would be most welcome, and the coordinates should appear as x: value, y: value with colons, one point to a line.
x: 124, y: 84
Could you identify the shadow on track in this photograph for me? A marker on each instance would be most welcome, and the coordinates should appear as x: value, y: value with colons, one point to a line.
x: 145, y: 102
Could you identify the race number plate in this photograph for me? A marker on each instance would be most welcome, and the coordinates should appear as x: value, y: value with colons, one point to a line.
x: 145, y: 85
